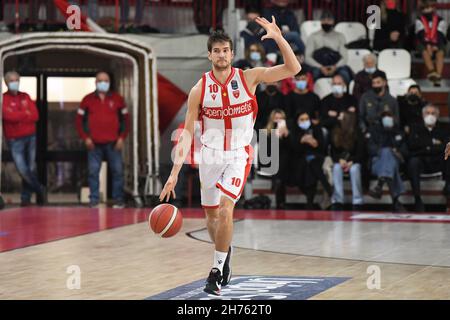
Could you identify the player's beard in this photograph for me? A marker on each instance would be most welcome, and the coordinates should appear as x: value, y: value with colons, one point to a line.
x: 220, y: 66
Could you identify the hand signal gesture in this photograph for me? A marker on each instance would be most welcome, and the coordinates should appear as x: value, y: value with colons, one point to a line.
x: 271, y: 28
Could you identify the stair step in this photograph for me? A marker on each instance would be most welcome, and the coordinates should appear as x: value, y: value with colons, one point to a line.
x: 418, y: 69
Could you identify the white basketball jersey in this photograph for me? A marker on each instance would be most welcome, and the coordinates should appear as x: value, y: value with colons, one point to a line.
x: 228, y: 112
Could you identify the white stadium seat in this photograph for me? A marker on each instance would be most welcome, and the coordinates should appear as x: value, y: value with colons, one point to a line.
x: 355, y: 59
x: 309, y: 27
x: 322, y: 87
x: 351, y: 86
x: 352, y: 31
x: 396, y: 63
x: 399, y: 87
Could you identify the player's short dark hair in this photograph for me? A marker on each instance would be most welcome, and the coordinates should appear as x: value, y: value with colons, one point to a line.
x: 219, y: 36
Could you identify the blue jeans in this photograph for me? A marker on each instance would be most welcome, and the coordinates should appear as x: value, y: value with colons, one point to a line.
x: 23, y: 151
x: 114, y: 159
x: 338, y: 181
x: 343, y: 71
x: 292, y: 37
x: 386, y: 165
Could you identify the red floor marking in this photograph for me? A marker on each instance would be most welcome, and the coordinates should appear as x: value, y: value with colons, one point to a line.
x: 22, y: 227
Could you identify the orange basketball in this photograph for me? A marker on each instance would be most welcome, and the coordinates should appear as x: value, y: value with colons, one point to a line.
x: 165, y: 220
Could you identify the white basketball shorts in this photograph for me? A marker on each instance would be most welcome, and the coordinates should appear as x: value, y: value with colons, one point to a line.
x: 223, y: 173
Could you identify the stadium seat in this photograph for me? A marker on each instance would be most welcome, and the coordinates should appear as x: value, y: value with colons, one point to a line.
x: 399, y: 87
x: 242, y: 25
x: 309, y: 27
x: 351, y: 86
x: 352, y: 31
x: 322, y: 87
x: 396, y: 63
x: 355, y: 59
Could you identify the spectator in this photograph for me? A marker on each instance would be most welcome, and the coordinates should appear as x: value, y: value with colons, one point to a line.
x: 363, y: 79
x: 287, y: 22
x: 203, y: 12
x: 302, y: 99
x: 326, y: 53
x: 336, y: 102
x: 138, y: 15
x: 431, y: 40
x: 278, y: 122
x: 103, y: 124
x: 411, y: 106
x: 374, y: 101
x: 50, y: 9
x: 269, y: 98
x: 387, y: 150
x: 19, y: 126
x: 347, y: 152
x: 288, y: 84
x: 309, y: 149
x: 426, y: 145
x: 255, y: 56
x: 391, y: 35
x: 253, y: 31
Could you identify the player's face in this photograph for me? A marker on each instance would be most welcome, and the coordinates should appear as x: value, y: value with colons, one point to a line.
x: 221, y: 55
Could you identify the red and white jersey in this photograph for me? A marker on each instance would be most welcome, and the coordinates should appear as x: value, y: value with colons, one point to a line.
x: 228, y: 112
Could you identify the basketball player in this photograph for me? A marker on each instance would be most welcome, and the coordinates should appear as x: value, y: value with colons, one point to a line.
x: 225, y: 103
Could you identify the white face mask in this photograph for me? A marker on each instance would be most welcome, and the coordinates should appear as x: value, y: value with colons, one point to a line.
x: 337, y: 89
x: 430, y: 120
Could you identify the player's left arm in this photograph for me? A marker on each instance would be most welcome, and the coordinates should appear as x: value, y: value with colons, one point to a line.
x: 289, y: 68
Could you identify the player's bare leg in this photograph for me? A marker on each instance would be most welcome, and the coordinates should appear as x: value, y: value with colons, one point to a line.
x: 221, y: 272
x: 212, y: 219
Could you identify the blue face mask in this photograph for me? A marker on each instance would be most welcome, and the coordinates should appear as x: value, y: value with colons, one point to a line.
x: 370, y: 70
x: 301, y: 84
x: 337, y: 90
x: 13, y: 86
x: 388, y: 122
x: 103, y: 86
x: 255, y: 56
x: 305, y: 125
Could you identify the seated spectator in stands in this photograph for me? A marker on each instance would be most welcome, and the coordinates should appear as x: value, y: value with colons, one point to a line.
x: 34, y: 8
x: 302, y: 99
x: 392, y: 33
x: 336, y: 102
x: 387, y: 150
x: 253, y: 31
x: 203, y: 15
x: 431, y: 40
x: 278, y: 123
x: 410, y: 107
x: 426, y: 144
x: 326, y: 53
x: 269, y: 98
x: 255, y: 56
x: 287, y: 22
x: 288, y: 84
x: 347, y: 152
x: 308, y: 146
x: 363, y: 79
x: 19, y: 117
x: 374, y: 101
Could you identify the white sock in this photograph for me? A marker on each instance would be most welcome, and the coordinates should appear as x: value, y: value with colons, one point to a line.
x: 219, y: 260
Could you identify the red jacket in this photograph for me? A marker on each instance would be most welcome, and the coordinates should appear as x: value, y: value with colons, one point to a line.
x: 102, y: 121
x: 19, y: 115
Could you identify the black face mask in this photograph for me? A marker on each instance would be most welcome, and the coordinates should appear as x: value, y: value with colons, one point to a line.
x: 271, y: 89
x: 377, y: 90
x: 412, y: 99
x: 327, y: 27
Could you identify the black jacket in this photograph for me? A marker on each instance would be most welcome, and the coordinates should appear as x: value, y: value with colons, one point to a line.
x: 355, y: 154
x: 420, y: 140
x: 339, y: 105
x: 302, y: 149
x: 379, y: 138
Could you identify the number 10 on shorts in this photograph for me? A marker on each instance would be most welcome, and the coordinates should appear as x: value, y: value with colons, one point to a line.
x: 236, y: 182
